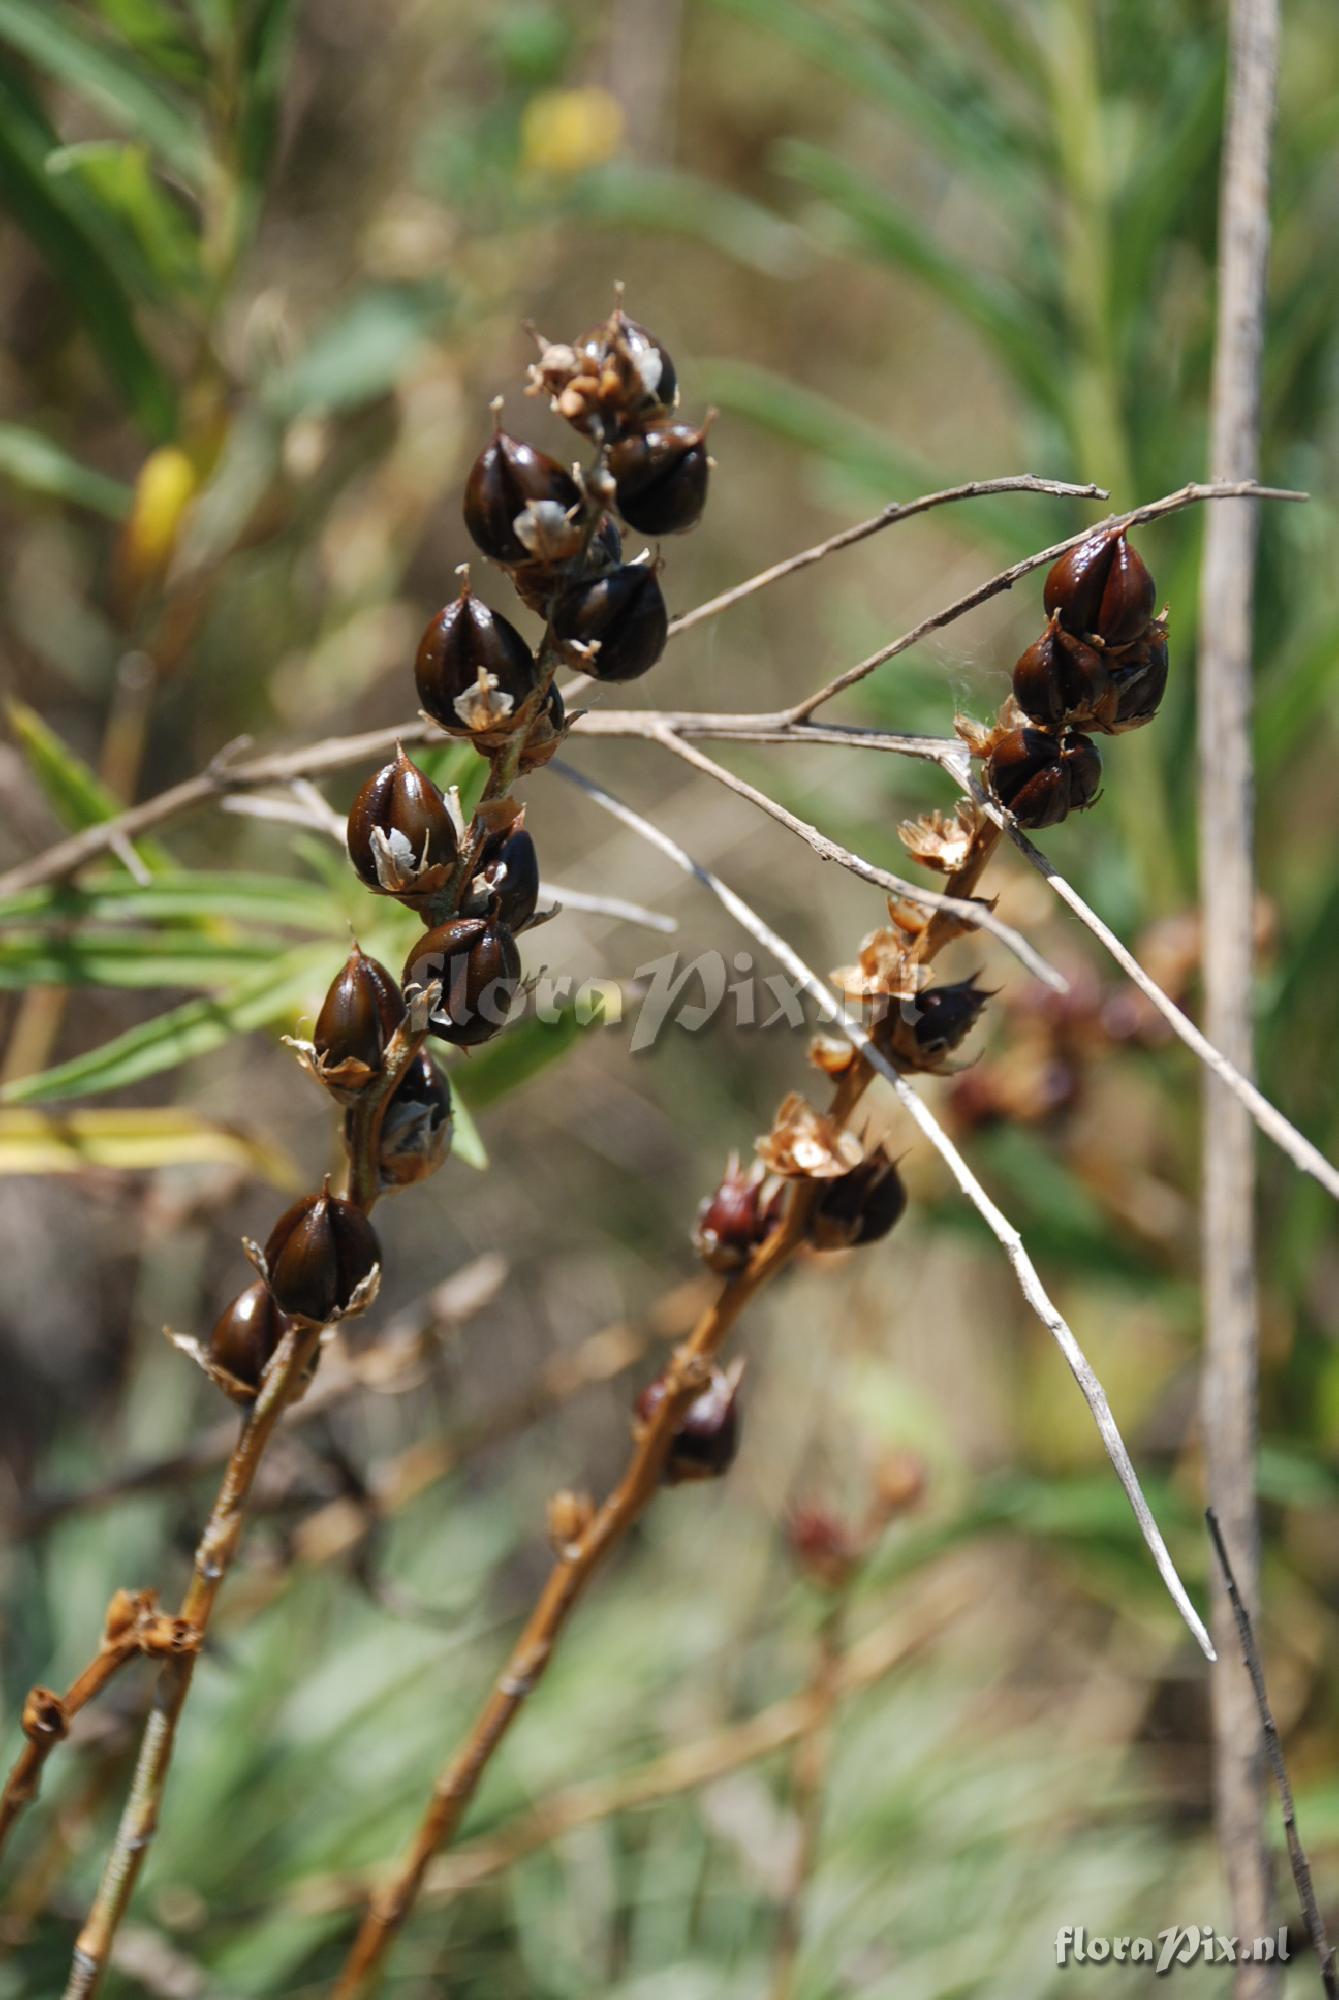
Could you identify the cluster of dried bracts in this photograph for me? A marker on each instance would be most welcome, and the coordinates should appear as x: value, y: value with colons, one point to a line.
x: 558, y: 533
x: 1101, y: 664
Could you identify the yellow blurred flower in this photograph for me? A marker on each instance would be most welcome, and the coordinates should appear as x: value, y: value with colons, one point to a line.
x: 168, y: 481
x: 564, y: 132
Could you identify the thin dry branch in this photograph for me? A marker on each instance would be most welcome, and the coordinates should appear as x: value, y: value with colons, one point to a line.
x: 1226, y: 670
x: 887, y: 517
x: 975, y: 913
x: 1001, y: 1228
x: 231, y: 772
x: 1297, y: 1857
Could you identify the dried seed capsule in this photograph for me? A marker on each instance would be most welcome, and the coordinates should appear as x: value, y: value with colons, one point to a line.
x: 860, y: 1207
x: 622, y: 614
x: 661, y: 478
x: 416, y: 1126
x: 505, y: 479
x: 246, y: 1333
x: 1060, y: 679
x: 508, y: 880
x: 318, y: 1254
x: 358, y: 1016
x: 479, y: 967
x: 1040, y: 777
x: 944, y: 1016
x: 1138, y: 682
x: 707, y: 1437
x: 463, y: 641
x: 741, y: 1214
x: 1101, y: 587
x: 634, y: 374
x: 402, y: 839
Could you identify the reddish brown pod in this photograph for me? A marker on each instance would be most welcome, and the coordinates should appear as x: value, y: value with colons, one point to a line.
x: 1138, y: 682
x: 246, y: 1334
x: 473, y: 669
x: 1042, y: 778
x: 706, y: 1438
x: 1101, y: 588
x: 1061, y: 679
x: 416, y: 1126
x: 660, y: 478
x: 621, y: 616
x: 508, y: 879
x: 319, y: 1257
x: 508, y: 480
x: 360, y: 1013
x: 737, y: 1218
x: 401, y: 836
x: 859, y: 1207
x: 479, y: 968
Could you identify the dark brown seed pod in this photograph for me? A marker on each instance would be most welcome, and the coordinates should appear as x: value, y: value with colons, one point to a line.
x: 1103, y: 589
x: 506, y: 478
x: 401, y: 838
x: 942, y: 1017
x: 623, y: 614
x: 246, y: 1333
x: 661, y: 478
x: 358, y: 1016
x: 416, y: 1126
x: 740, y: 1215
x: 463, y: 641
x: 1041, y: 778
x: 636, y: 377
x: 1061, y: 679
x: 859, y: 1207
x: 707, y: 1437
x: 508, y: 880
x: 1138, y: 682
x: 479, y: 967
x: 318, y: 1254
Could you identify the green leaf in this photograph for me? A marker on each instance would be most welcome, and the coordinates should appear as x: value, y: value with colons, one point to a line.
x: 118, y: 179
x: 75, y: 794
x: 43, y: 1142
x: 264, y: 70
x: 127, y: 958
x: 466, y: 1140
x: 679, y: 204
x: 362, y: 352
x: 1010, y: 322
x: 188, y: 1031
x: 520, y: 1054
x: 53, y: 35
x: 39, y: 465
x: 277, y: 900
x: 50, y: 216
x: 154, y: 31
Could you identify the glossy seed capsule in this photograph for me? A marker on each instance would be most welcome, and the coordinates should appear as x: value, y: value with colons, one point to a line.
x: 506, y: 477
x: 401, y: 837
x: 359, y: 1014
x: 661, y: 478
x: 317, y: 1254
x: 464, y: 640
x: 1041, y: 777
x: 859, y: 1207
x: 623, y: 614
x: 509, y: 878
x: 1061, y: 679
x: 479, y: 967
x: 1102, y: 587
x: 246, y: 1333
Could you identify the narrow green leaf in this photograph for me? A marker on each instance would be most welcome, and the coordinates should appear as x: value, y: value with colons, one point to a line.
x: 154, y: 31
x: 1013, y: 324
x: 53, y: 35
x: 125, y: 193
x: 682, y: 204
x: 188, y: 1031
x: 76, y: 795
x: 466, y: 1139
x: 44, y: 1142
x: 179, y: 894
x: 39, y: 465
x: 49, y: 216
x: 140, y: 959
x: 264, y: 70
x: 362, y: 352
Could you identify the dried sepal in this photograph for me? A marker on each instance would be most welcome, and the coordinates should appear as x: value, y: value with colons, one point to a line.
x: 939, y: 842
x: 569, y: 1515
x: 978, y: 736
x: 805, y: 1144
x: 44, y: 1718
x: 832, y: 1054
x: 127, y: 1610
x: 884, y: 969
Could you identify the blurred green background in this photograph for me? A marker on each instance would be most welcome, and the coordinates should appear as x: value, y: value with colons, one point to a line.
x: 264, y: 265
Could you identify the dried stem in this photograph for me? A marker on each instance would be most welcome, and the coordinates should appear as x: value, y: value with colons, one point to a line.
x: 214, y: 1555
x: 25, y: 1777
x: 887, y: 517
x: 230, y: 772
x: 1297, y: 1859
x: 1228, y: 1387
x: 972, y: 915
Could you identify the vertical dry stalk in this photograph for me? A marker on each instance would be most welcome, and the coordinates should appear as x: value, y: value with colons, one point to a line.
x: 1228, y: 1389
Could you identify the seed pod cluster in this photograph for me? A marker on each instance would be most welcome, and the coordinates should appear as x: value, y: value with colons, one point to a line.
x: 1099, y: 666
